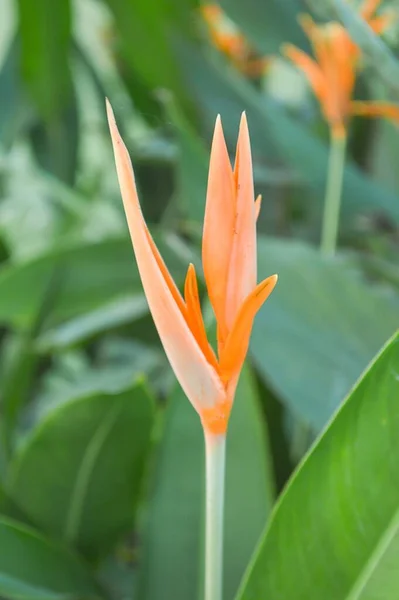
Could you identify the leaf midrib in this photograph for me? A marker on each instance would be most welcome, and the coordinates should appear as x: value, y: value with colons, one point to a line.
x: 374, y: 560
x: 78, y: 495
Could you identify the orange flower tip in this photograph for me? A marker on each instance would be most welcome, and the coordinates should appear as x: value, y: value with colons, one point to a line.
x: 110, y: 112
x: 243, y: 120
x: 270, y: 282
x: 258, y: 205
x: 305, y: 21
x: 218, y: 131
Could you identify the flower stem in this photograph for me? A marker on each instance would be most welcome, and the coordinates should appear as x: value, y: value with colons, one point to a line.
x: 332, y: 203
x: 215, y: 447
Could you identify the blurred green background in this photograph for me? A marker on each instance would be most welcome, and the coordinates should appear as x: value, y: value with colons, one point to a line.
x: 99, y: 451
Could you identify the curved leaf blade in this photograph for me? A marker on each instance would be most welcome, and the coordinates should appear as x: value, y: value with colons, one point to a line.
x: 319, y: 329
x: 46, y: 572
x: 334, y: 533
x: 79, y: 473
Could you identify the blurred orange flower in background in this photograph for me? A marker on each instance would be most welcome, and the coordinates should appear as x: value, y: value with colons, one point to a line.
x: 226, y: 37
x: 332, y: 73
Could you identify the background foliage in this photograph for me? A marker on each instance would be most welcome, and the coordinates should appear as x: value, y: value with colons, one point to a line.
x: 101, y: 456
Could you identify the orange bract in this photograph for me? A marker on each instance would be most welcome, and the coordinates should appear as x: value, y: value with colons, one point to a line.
x: 229, y: 259
x: 332, y: 73
x: 232, y: 43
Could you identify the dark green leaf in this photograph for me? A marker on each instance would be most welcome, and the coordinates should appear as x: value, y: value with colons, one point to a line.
x: 79, y: 473
x: 319, y: 329
x: 89, y: 275
x: 33, y: 568
x: 334, y: 532
x: 13, y: 106
x: 45, y: 29
x: 143, y: 30
x: 117, y: 313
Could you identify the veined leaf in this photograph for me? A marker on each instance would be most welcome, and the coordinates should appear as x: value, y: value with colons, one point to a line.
x: 319, y: 329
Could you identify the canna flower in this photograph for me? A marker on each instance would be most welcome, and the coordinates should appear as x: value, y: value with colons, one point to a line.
x: 229, y: 262
x: 232, y: 43
x: 332, y: 74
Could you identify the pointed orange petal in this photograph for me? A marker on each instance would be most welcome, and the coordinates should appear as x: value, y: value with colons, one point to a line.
x: 196, y: 376
x: 258, y: 205
x: 376, y: 109
x: 310, y: 68
x: 194, y: 316
x: 219, y: 221
x: 242, y: 268
x: 235, y: 349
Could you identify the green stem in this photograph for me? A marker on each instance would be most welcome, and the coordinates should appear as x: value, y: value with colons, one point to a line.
x: 332, y: 204
x: 215, y: 447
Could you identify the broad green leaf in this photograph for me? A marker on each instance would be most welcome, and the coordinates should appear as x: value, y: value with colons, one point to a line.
x: 19, y: 362
x: 45, y: 29
x: 334, y: 533
x: 267, y: 25
x: 13, y: 106
x: 191, y: 167
x: 319, y: 329
x: 45, y: 39
x: 274, y: 133
x: 88, y: 275
x: 34, y: 568
x: 174, y: 522
x: 55, y: 144
x: 79, y: 473
x: 119, y: 364
x: 144, y: 29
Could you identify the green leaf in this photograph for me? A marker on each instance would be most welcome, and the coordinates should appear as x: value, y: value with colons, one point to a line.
x: 274, y: 133
x: 173, y: 534
x: 143, y: 29
x: 45, y: 39
x: 88, y: 275
x: 191, y: 166
x: 45, y: 30
x: 19, y: 362
x: 334, y: 532
x: 319, y: 329
x: 33, y: 568
x: 55, y: 144
x: 83, y: 327
x: 79, y: 473
x: 13, y: 106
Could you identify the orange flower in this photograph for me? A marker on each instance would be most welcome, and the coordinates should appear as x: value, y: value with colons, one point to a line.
x: 332, y: 73
x: 229, y: 260
x: 232, y: 43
